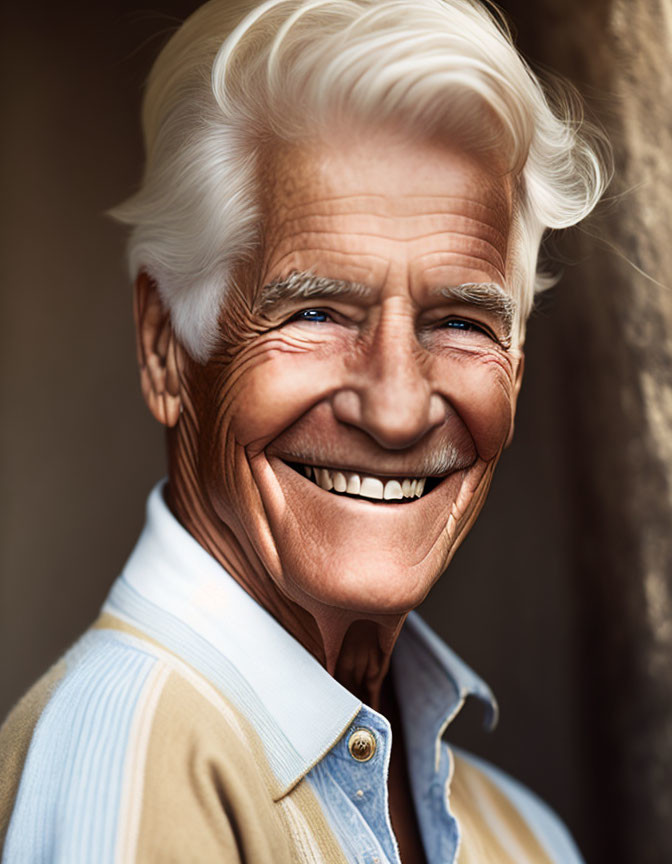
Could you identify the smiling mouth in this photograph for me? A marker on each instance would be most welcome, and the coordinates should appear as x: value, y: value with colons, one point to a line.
x: 353, y: 484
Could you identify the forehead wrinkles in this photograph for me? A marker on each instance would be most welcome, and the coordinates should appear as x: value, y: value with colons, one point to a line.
x: 358, y: 231
x: 360, y: 200
x: 400, y: 204
x: 459, y: 216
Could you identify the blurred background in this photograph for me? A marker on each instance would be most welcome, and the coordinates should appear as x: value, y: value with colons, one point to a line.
x: 561, y: 597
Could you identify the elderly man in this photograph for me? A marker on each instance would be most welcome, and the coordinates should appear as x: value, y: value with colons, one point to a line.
x: 334, y: 250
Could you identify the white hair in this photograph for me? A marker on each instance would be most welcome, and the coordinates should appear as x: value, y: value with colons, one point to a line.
x: 223, y: 87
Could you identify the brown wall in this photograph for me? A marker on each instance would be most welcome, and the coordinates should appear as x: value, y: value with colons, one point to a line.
x: 79, y: 452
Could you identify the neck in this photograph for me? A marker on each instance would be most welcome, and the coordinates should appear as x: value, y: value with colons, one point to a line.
x: 356, y: 651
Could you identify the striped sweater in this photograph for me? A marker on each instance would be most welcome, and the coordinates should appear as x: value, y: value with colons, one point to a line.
x: 186, y: 725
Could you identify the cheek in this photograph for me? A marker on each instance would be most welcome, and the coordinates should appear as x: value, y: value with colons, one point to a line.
x: 482, y: 393
x: 276, y: 388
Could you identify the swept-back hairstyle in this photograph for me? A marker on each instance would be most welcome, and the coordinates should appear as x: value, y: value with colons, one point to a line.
x: 227, y: 83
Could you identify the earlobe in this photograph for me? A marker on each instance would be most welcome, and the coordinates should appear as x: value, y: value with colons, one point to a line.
x: 516, y: 390
x: 158, y: 352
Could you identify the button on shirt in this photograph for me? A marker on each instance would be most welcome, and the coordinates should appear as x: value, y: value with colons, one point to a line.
x: 188, y: 725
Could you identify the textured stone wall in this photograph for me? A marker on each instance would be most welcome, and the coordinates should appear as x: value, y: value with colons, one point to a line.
x: 614, y: 321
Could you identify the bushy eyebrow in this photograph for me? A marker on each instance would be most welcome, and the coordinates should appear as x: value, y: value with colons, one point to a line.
x: 488, y: 296
x: 303, y: 286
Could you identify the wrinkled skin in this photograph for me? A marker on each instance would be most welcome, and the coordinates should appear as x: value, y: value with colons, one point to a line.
x: 388, y: 382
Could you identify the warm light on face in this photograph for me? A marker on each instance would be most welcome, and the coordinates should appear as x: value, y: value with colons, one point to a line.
x: 352, y: 433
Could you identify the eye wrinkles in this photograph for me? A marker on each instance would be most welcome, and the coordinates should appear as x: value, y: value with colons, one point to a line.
x: 488, y: 296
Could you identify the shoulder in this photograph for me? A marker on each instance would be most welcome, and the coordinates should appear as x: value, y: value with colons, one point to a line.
x: 130, y: 746
x: 67, y: 741
x: 487, y: 800
x: 15, y: 736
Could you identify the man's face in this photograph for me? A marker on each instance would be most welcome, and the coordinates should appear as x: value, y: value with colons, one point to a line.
x: 376, y: 361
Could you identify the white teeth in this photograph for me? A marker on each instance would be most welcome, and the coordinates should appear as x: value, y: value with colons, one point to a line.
x: 354, y: 483
x: 324, y: 480
x: 367, y: 487
x: 371, y: 488
x: 392, y: 490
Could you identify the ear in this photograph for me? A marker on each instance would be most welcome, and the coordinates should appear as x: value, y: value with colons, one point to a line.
x: 516, y: 390
x: 159, y: 352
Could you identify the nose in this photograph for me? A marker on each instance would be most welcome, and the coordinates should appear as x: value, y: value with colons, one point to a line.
x: 389, y: 394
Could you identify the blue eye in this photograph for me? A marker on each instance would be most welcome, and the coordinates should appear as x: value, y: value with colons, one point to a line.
x: 466, y: 326
x: 317, y: 315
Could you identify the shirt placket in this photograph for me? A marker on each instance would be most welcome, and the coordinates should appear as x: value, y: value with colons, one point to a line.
x: 360, y: 764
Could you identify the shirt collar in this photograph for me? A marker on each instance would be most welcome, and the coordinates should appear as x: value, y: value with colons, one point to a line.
x: 179, y: 594
x: 441, y: 671
x: 432, y: 684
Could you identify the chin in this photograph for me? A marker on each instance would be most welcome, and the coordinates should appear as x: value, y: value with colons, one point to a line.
x: 371, y: 582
